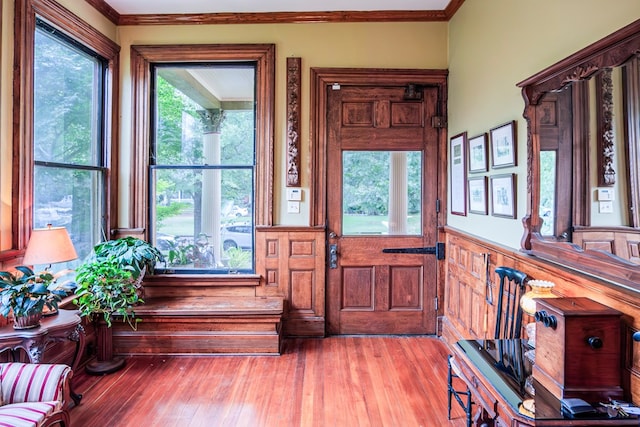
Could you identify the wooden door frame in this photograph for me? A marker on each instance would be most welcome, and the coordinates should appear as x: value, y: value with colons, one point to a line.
x: 320, y: 79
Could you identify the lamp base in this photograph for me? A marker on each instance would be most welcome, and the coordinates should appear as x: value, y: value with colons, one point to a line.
x: 105, y: 367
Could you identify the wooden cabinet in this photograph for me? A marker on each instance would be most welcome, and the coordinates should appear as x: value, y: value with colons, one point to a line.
x: 576, y: 337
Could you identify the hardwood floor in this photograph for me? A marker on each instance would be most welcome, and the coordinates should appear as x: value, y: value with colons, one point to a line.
x: 335, y: 381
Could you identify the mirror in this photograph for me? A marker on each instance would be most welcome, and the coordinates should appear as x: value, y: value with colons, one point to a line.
x: 583, y: 116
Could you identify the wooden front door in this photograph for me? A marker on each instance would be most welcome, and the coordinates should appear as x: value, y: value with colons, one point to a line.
x: 382, y: 179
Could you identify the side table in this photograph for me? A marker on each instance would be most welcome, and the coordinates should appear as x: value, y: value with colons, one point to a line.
x: 64, y: 326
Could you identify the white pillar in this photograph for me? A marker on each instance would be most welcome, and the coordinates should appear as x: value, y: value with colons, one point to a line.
x: 212, y: 180
x: 398, y: 189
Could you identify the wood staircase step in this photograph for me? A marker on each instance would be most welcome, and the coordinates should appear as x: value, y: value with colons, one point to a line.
x: 203, y: 325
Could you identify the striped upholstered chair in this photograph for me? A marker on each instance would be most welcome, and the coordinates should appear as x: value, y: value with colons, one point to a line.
x: 34, y: 394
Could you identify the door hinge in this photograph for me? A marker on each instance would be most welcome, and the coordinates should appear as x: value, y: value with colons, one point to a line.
x: 438, y: 121
x: 437, y: 205
x: 436, y: 303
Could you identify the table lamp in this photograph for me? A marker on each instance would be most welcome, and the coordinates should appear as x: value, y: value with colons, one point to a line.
x: 48, y: 246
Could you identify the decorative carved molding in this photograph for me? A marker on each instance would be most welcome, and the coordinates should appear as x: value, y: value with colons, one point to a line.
x: 211, y: 119
x: 606, y: 172
x: 608, y: 52
x: 293, y: 122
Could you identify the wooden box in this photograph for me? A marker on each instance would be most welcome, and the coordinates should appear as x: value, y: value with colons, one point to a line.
x: 578, y: 349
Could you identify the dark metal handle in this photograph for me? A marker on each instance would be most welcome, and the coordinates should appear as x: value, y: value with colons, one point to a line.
x: 438, y: 250
x: 548, y: 320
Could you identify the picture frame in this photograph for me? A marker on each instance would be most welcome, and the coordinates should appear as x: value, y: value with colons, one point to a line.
x: 503, y: 195
x: 458, y: 156
x: 478, y: 195
x: 478, y: 153
x: 503, y: 145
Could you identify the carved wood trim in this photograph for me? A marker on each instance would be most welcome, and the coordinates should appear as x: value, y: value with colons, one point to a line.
x: 278, y: 17
x: 293, y: 121
x: 609, y: 52
x: 604, y: 119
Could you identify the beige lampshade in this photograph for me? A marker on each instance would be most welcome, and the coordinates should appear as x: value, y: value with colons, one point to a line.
x: 49, y: 246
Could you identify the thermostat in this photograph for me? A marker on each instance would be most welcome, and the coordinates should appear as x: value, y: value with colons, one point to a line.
x: 294, y: 194
x: 605, y: 194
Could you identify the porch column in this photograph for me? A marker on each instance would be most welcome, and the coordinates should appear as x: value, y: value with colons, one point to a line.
x: 211, y: 179
x: 398, y: 205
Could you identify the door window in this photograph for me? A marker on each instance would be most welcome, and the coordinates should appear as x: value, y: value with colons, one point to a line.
x: 381, y: 192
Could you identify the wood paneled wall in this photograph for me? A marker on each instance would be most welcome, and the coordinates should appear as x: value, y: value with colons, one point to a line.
x: 467, y: 314
x: 291, y: 262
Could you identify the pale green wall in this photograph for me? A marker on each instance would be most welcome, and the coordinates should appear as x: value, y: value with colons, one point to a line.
x: 6, y: 67
x: 361, y: 45
x: 488, y: 46
x: 493, y: 45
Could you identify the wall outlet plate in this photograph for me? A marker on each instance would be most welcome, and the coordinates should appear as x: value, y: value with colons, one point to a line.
x: 606, y: 207
x: 293, y: 207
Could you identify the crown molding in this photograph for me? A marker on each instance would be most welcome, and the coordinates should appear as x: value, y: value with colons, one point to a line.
x: 278, y: 17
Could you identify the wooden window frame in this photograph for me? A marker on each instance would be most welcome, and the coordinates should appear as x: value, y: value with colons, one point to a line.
x: 23, y: 92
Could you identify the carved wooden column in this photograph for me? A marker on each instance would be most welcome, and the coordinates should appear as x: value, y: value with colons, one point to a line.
x: 293, y: 122
x: 606, y: 148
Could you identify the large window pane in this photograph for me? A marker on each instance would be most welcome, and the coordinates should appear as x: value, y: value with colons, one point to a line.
x: 65, y: 102
x: 202, y: 164
x: 382, y: 192
x: 68, y: 163
x: 69, y: 198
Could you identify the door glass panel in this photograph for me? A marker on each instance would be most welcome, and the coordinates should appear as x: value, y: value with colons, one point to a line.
x: 381, y: 192
x: 547, y: 192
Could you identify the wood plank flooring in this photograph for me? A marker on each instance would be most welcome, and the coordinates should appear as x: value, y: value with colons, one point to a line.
x: 336, y: 381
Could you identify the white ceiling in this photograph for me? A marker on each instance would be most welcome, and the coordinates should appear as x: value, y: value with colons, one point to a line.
x: 152, y: 7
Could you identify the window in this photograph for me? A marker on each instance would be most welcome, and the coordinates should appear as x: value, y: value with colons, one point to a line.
x: 202, y: 166
x: 65, y: 138
x: 69, y: 172
x: 203, y: 153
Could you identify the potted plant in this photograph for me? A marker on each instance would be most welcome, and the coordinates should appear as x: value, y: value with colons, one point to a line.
x: 108, y: 288
x: 105, y: 288
x: 129, y: 251
x: 26, y: 294
x: 237, y: 259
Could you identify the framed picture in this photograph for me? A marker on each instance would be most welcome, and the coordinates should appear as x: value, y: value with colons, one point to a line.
x: 478, y: 161
x: 478, y: 195
x: 457, y: 153
x: 503, y: 145
x: 503, y: 195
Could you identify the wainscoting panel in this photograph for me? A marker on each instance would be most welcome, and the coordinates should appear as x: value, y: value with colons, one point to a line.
x: 291, y: 261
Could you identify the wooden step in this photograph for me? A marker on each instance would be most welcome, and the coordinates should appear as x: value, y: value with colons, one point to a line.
x: 203, y: 325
